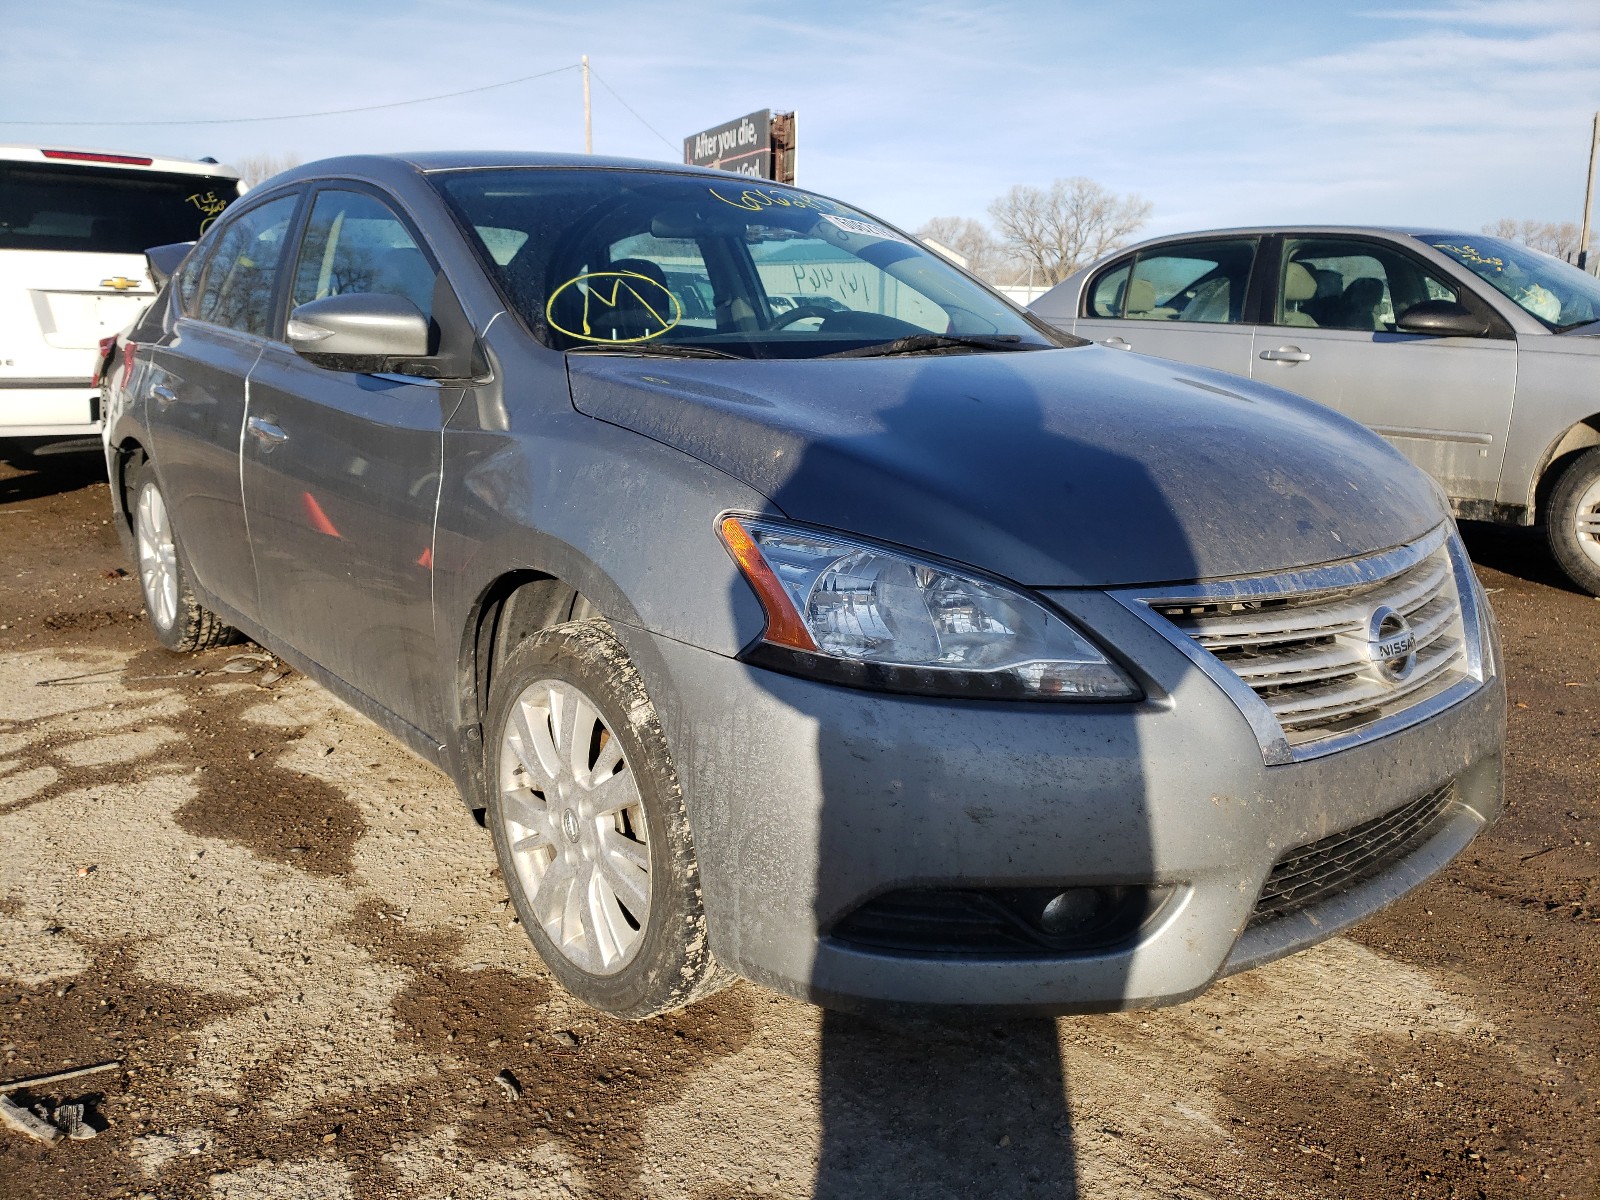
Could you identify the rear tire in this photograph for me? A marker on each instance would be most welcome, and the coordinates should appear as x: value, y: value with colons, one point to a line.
x: 1572, y: 521
x: 181, y: 623
x: 590, y: 829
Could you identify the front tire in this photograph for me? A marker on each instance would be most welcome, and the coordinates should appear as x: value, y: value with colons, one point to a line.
x: 1572, y: 521
x: 181, y: 623
x: 590, y: 829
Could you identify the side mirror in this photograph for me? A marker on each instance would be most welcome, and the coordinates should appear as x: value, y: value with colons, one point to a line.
x: 358, y: 331
x: 165, y: 260
x: 1441, y: 318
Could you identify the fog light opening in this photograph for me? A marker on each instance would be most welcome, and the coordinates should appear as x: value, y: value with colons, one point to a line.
x: 1070, y: 911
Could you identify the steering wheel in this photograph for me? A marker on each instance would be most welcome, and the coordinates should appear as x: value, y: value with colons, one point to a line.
x: 800, y: 314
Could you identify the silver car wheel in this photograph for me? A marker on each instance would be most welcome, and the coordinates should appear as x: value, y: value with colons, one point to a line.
x: 575, y: 826
x: 1588, y: 521
x: 158, y: 557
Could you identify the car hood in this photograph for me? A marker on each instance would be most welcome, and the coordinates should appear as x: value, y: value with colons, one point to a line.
x: 1079, y: 467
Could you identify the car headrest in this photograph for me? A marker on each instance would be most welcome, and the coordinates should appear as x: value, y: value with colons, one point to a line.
x: 1365, y: 291
x: 642, y: 266
x: 1141, y: 296
x: 1298, y: 283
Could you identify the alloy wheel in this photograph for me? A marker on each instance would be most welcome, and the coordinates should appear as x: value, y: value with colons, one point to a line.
x: 575, y: 826
x: 158, y: 556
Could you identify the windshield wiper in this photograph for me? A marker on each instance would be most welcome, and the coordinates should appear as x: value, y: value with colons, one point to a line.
x: 658, y: 350
x: 1576, y: 325
x: 924, y: 343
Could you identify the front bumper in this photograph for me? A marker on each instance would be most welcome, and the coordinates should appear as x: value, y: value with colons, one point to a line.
x: 808, y: 799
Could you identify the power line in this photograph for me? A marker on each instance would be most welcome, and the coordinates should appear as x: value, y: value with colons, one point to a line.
x: 332, y: 112
x: 676, y: 149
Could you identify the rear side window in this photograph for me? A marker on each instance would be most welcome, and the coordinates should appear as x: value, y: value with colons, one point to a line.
x: 355, y: 244
x: 188, y: 280
x: 1197, y: 281
x: 104, y: 210
x: 1105, y: 299
x: 242, y: 270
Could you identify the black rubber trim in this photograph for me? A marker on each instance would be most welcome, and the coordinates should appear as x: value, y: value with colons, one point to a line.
x: 928, y: 683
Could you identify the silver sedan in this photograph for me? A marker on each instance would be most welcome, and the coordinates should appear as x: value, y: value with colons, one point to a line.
x: 1475, y: 357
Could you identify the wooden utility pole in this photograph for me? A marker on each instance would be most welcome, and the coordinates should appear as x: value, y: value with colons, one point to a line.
x: 1588, y: 197
x: 588, y: 125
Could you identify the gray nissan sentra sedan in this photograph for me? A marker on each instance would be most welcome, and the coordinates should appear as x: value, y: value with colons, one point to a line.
x: 893, y: 649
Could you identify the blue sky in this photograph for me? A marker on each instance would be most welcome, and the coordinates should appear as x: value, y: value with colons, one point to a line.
x: 1451, y: 112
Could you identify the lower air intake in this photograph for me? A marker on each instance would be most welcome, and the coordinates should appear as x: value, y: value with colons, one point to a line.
x: 999, y: 922
x: 1336, y: 863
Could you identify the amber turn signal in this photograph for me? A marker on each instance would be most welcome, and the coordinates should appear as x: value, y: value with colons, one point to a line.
x: 784, y: 626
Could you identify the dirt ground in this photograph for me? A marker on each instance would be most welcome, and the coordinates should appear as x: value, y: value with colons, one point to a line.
x: 294, y: 939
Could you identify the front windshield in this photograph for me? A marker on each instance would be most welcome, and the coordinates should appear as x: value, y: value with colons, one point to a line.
x: 1559, y: 294
x: 647, y: 262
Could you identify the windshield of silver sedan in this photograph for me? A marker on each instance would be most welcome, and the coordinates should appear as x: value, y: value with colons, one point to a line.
x: 1557, y: 293
x: 680, y: 265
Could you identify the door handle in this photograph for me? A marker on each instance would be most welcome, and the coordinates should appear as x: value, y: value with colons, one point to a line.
x: 1116, y: 343
x: 1286, y: 354
x: 164, y: 396
x: 265, y: 432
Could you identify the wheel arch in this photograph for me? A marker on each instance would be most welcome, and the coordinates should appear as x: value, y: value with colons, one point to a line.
x: 511, y: 607
x: 125, y: 456
x: 1583, y: 435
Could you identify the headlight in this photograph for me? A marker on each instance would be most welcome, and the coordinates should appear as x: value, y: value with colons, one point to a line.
x: 858, y: 614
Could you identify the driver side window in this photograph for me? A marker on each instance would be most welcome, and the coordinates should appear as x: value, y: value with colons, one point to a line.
x: 353, y: 243
x: 1331, y: 283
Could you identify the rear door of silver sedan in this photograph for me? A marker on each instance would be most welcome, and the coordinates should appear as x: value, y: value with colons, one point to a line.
x: 1188, y: 301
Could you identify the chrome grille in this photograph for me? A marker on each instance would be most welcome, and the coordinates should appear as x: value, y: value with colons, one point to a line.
x: 1338, y: 862
x: 1308, y: 652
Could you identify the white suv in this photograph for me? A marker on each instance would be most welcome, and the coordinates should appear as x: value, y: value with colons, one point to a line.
x: 74, y: 225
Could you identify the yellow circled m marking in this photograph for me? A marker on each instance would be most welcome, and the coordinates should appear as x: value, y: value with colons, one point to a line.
x: 621, y: 280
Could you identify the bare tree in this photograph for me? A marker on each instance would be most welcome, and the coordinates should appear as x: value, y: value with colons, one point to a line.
x: 1559, y: 238
x: 986, y: 257
x: 1058, y: 229
x: 254, y: 168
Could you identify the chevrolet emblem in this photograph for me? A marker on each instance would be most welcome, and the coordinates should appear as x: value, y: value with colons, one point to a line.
x: 122, y: 283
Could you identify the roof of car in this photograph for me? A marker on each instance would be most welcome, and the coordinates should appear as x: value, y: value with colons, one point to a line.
x: 1312, y: 227
x: 119, y: 159
x: 460, y: 160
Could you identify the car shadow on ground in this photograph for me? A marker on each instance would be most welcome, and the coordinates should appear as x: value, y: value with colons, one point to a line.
x: 1521, y: 552
x: 943, y: 1106
x: 50, y: 468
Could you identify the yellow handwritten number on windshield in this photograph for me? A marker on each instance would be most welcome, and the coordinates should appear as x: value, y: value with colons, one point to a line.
x: 653, y: 307
x: 755, y: 199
